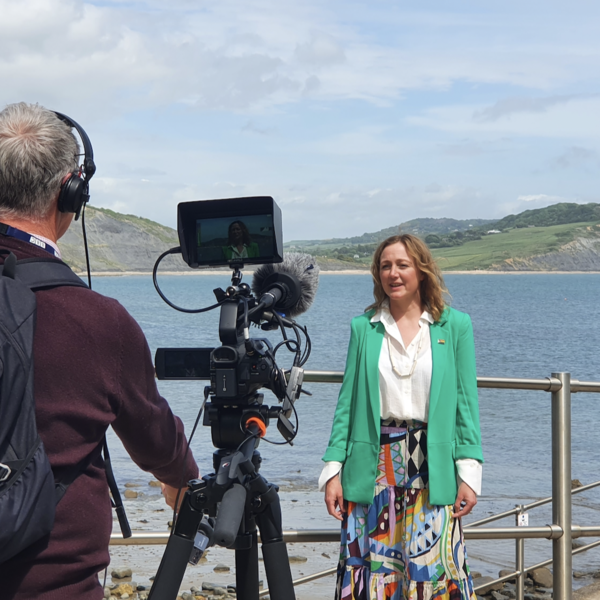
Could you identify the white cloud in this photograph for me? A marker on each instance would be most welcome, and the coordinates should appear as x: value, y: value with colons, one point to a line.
x: 308, y: 101
x: 509, y: 106
x: 577, y: 157
x: 576, y: 118
x: 471, y: 148
x: 545, y: 198
x: 354, y: 211
x: 322, y: 49
x: 251, y: 55
x: 361, y: 141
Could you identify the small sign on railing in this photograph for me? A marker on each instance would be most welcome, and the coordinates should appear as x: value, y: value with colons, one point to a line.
x: 523, y: 520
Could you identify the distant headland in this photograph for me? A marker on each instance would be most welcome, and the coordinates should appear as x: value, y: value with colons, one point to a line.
x: 563, y: 237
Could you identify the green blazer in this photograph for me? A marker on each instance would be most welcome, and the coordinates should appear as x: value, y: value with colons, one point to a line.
x: 252, y: 250
x: 453, y: 420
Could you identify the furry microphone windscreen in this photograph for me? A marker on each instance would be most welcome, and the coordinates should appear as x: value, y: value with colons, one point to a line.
x: 300, y: 267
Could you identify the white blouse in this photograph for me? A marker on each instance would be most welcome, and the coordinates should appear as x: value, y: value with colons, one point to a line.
x: 404, y: 387
x: 401, y: 394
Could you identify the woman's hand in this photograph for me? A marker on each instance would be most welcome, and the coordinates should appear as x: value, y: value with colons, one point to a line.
x: 466, y: 499
x: 334, y: 498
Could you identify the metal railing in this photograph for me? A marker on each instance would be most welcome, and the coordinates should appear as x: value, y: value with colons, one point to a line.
x: 561, y: 531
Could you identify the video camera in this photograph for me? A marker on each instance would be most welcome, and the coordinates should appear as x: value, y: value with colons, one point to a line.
x: 236, y: 232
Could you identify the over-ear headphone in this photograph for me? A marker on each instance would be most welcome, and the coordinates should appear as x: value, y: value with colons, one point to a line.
x: 75, y: 191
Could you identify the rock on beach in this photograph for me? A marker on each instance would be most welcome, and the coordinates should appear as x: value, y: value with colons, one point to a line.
x: 121, y: 573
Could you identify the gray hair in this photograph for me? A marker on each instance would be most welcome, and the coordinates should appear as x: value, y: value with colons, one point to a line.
x: 37, y: 151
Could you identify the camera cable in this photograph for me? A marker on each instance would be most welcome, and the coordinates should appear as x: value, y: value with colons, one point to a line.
x: 286, y: 340
x: 296, y: 429
x: 85, y: 246
x: 176, y: 250
x: 307, y: 347
x: 301, y: 360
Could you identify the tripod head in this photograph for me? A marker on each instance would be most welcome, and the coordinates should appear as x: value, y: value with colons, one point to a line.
x: 240, y: 499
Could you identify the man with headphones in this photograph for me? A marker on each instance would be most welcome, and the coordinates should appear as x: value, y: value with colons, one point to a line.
x: 92, y: 365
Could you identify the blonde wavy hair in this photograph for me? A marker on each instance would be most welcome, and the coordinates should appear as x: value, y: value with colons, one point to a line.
x: 432, y: 287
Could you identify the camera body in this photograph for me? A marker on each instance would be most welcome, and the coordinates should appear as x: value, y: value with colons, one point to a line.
x: 238, y: 372
x: 237, y: 369
x: 233, y: 371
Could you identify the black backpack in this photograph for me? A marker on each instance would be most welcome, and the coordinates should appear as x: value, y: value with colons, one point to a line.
x: 28, y: 489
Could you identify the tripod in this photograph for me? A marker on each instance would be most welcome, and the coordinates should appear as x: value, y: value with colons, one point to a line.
x: 244, y: 499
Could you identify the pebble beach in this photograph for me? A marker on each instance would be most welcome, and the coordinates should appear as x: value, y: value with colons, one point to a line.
x: 147, y: 511
x: 133, y: 567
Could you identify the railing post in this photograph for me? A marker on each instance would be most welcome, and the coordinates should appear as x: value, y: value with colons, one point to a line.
x: 520, y: 560
x: 562, y: 561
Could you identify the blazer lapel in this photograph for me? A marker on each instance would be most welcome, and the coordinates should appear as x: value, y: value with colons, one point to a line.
x: 439, y: 353
x: 373, y: 349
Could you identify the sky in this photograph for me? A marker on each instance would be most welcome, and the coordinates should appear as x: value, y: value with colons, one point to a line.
x: 354, y: 116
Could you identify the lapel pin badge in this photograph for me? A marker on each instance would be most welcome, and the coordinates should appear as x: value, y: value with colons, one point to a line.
x: 441, y: 341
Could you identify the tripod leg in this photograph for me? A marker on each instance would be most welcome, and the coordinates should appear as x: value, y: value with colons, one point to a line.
x: 274, y: 551
x: 246, y: 567
x: 177, y: 553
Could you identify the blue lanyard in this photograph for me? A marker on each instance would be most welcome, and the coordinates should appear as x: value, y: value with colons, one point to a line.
x: 26, y: 237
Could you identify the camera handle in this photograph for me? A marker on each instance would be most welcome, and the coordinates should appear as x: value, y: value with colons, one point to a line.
x: 258, y: 504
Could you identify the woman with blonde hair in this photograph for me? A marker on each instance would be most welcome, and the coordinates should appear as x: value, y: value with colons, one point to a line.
x: 404, y: 458
x: 240, y: 245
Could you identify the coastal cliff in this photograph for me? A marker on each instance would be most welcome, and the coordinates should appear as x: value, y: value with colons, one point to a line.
x: 581, y: 254
x: 120, y: 243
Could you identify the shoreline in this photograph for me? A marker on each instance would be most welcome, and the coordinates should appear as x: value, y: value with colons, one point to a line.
x: 193, y: 273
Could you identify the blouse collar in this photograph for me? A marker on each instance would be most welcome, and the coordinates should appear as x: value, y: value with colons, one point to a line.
x: 384, y: 315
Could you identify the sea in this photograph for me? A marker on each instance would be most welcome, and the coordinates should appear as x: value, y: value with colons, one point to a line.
x: 525, y: 325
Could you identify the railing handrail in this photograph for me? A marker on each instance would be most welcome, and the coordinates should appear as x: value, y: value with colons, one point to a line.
x: 527, y: 507
x: 320, y: 536
x: 544, y: 384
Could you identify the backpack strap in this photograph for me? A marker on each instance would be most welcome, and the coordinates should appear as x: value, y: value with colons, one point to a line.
x: 70, y: 475
x: 117, y: 501
x: 10, y: 264
x: 46, y: 273
x: 40, y: 273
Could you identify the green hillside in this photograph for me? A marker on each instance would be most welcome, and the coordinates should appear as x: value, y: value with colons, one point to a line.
x: 557, y: 214
x: 472, y: 244
x: 523, y: 242
x: 420, y: 227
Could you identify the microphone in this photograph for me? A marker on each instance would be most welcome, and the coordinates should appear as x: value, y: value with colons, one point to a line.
x: 289, y: 286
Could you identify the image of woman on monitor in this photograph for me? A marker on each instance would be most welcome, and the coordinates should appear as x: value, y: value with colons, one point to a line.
x: 239, y: 243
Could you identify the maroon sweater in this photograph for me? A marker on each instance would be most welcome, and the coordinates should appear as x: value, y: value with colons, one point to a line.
x: 92, y: 369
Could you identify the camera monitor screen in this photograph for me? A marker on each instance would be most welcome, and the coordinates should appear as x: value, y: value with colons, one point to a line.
x: 236, y: 230
x: 182, y: 363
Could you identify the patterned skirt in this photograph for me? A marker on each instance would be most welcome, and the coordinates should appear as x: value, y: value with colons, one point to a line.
x: 401, y: 547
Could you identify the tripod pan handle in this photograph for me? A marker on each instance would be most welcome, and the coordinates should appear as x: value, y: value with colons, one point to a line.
x: 230, y: 515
